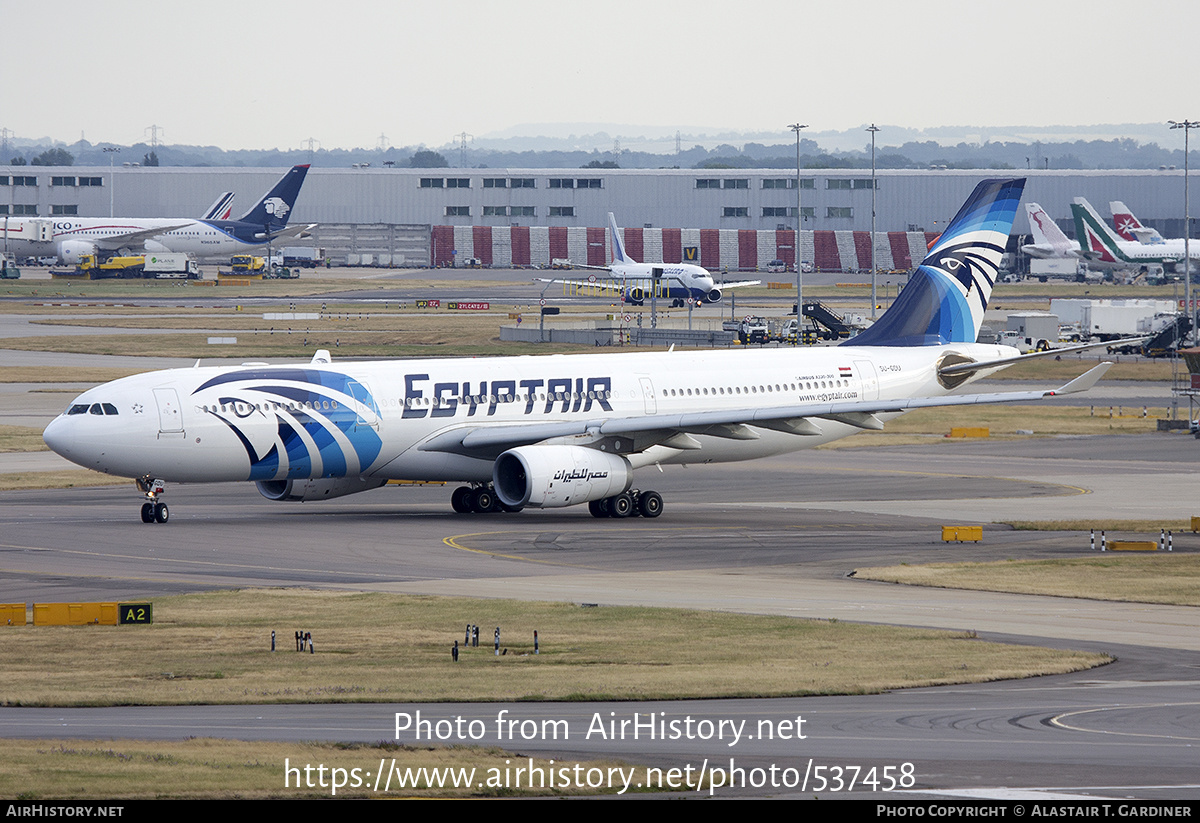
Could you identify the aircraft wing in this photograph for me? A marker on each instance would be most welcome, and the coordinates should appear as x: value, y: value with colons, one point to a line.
x: 116, y: 241
x: 739, y: 284
x: 674, y: 430
x: 603, y: 284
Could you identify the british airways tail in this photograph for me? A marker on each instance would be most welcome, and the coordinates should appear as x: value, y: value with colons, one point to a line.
x: 946, y: 296
x: 618, y: 245
x: 273, y: 209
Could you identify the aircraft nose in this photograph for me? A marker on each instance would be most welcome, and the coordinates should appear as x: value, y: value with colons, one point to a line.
x: 56, y: 436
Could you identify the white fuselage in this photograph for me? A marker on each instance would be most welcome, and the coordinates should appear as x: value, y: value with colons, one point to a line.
x: 21, y: 236
x: 403, y: 419
x: 674, y: 280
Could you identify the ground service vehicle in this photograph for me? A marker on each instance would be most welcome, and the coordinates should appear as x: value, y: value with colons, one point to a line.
x: 8, y: 268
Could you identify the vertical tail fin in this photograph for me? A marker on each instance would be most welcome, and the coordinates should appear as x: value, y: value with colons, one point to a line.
x: 1045, y: 230
x: 1099, y: 242
x: 221, y: 207
x: 946, y: 296
x: 1129, y: 227
x: 275, y: 206
x: 618, y: 244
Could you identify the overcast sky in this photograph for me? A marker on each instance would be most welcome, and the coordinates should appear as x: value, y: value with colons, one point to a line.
x: 267, y: 74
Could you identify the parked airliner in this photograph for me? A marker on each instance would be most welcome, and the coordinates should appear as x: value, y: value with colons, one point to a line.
x: 558, y: 430
x: 70, y: 237
x: 1048, y: 239
x: 1105, y: 245
x: 639, y: 282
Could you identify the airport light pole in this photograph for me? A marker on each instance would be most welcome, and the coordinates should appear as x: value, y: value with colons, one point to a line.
x: 796, y: 127
x: 874, y: 270
x: 111, y: 151
x: 1187, y: 125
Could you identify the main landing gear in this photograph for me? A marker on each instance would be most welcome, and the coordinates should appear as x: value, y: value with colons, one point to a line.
x: 153, y: 510
x: 478, y: 500
x: 628, y: 504
x: 483, y: 500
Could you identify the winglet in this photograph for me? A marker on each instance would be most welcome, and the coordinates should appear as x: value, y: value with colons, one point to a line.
x: 1084, y: 381
x: 321, y: 356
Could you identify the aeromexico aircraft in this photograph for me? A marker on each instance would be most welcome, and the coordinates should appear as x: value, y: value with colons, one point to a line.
x: 70, y: 237
x: 559, y: 430
x: 639, y: 282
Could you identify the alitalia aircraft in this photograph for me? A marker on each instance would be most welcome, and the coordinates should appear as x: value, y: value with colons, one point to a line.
x: 558, y: 430
x: 1104, y: 245
x: 639, y: 282
x: 68, y: 238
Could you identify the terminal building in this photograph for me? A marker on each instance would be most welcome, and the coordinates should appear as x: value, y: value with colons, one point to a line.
x: 727, y: 219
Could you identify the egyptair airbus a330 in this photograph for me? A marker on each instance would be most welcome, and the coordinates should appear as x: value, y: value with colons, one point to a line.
x: 559, y: 430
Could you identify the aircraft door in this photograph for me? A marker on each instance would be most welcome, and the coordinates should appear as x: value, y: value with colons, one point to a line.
x: 868, y: 379
x: 648, y: 395
x: 170, y: 417
x: 364, y: 406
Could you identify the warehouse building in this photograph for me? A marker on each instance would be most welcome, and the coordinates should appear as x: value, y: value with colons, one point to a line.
x: 728, y: 219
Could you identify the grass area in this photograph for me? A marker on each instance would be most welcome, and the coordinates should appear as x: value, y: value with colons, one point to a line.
x: 932, y: 425
x: 213, y: 648
x: 283, y: 289
x: 65, y: 479
x: 20, y: 439
x: 1061, y: 371
x: 205, y: 768
x: 1170, y: 579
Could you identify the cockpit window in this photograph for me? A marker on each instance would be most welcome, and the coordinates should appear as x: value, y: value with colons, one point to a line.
x: 96, y: 409
x: 109, y: 408
x: 78, y: 408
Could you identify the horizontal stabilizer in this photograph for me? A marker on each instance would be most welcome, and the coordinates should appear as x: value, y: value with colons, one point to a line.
x: 971, y: 368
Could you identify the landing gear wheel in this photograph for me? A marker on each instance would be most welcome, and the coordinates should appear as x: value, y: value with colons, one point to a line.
x: 161, y: 514
x: 460, y: 501
x: 147, y: 512
x: 482, y: 501
x: 650, y: 504
x: 597, y: 509
x: 621, y: 505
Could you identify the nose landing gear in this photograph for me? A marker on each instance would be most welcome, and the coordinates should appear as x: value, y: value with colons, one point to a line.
x: 153, y: 510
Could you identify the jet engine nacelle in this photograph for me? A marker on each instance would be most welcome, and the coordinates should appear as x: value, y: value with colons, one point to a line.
x: 320, y: 489
x: 548, y: 477
x: 713, y: 296
x: 69, y: 251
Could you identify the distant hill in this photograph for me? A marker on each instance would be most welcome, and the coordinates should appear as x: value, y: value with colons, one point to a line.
x: 1123, y: 146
